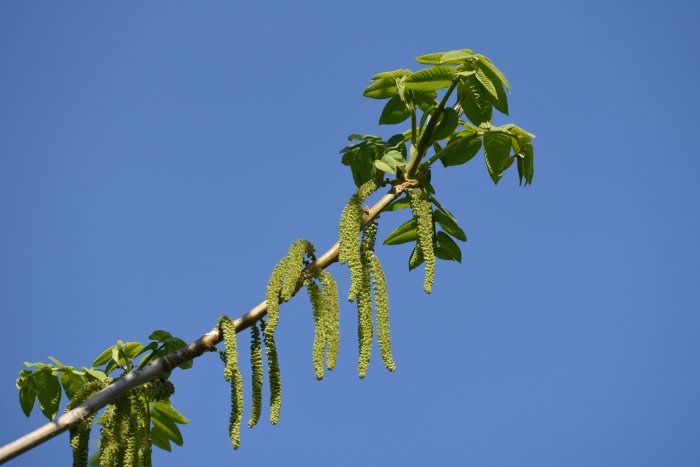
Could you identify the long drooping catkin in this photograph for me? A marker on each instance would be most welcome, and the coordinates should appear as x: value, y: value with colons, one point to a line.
x: 423, y: 213
x: 349, y: 233
x: 331, y: 317
x: 80, y: 434
x: 319, y: 345
x: 273, y: 374
x: 232, y: 374
x: 256, y: 364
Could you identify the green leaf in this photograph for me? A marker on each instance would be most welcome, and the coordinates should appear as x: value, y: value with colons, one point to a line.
x: 499, y: 99
x: 475, y: 101
x: 390, y: 74
x: 356, y: 137
x: 425, y: 100
x: 169, y: 411
x: 48, y: 391
x: 381, y: 89
x: 446, y: 245
x: 460, y: 150
x: 395, y: 111
x: 416, y: 258
x: 104, y: 357
x: 483, y: 60
x: 384, y: 167
x: 167, y: 426
x: 71, y: 382
x: 434, y: 58
x: 401, y: 203
x: 159, y: 439
x: 449, y: 225
x: 160, y: 335
x: 496, y: 151
x: 486, y: 82
x: 521, y: 168
x: 448, y: 123
x: 95, y: 373
x: 455, y: 56
x: 27, y: 395
x: 430, y: 79
x: 132, y: 349
x: 528, y: 163
x: 405, y: 233
x: 442, y: 208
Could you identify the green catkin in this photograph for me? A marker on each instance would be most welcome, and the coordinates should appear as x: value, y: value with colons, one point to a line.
x: 115, y: 430
x: 272, y: 294
x: 293, y: 266
x: 80, y: 434
x: 134, y: 438
x: 232, y: 374
x: 256, y: 364
x: 381, y: 302
x: 283, y: 281
x: 424, y: 217
x: 331, y: 317
x: 319, y: 345
x: 349, y: 231
x: 274, y: 375
x: 365, y: 327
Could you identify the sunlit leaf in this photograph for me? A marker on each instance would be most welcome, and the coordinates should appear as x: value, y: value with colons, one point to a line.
x: 434, y: 58
x: 104, y: 357
x: 449, y: 226
x: 48, y: 391
x: 381, y: 89
x: 475, y: 101
x: 496, y: 151
x: 390, y: 74
x: 446, y: 245
x: 395, y: 111
x: 460, y: 150
x: 169, y: 411
x: 488, y: 63
x: 71, y: 382
x: 430, y: 79
x: 486, y: 82
x: 159, y: 439
x: 404, y: 233
x: 448, y: 123
x: 167, y: 426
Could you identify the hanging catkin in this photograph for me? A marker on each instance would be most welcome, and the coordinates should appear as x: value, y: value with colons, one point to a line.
x: 331, y: 317
x: 283, y: 280
x: 349, y: 232
x: 232, y: 374
x: 365, y: 326
x: 423, y: 214
x: 274, y: 376
x: 80, y: 433
x: 256, y: 364
x: 319, y: 345
x: 381, y: 302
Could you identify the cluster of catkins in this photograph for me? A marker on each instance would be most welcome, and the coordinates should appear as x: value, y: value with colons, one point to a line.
x: 125, y: 437
x: 366, y: 276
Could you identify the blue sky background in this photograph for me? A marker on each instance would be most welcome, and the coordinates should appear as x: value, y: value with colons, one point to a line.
x: 157, y: 158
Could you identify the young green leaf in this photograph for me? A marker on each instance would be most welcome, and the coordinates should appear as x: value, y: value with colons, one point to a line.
x: 390, y: 74
x: 405, y: 233
x: 104, y: 357
x: 383, y: 166
x: 496, y: 150
x: 416, y: 258
x: 448, y: 123
x: 434, y: 58
x: 27, y: 395
x: 455, y: 56
x: 486, y: 82
x: 401, y: 203
x: 95, y: 373
x: 449, y: 226
x: 483, y: 60
x: 159, y: 335
x: 424, y: 100
x: 395, y: 111
x: 48, y: 390
x: 528, y: 163
x: 447, y: 245
x: 159, y: 438
x: 459, y: 150
x: 381, y: 89
x: 475, y: 101
x: 71, y: 382
x: 166, y: 410
x: 430, y: 79
x: 167, y: 427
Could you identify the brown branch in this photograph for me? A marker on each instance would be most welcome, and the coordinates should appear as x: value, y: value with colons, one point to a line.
x: 163, y: 365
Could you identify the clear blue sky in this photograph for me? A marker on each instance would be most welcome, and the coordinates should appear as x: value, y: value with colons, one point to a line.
x: 157, y: 158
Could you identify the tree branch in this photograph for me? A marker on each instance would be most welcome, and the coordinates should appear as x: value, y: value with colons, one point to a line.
x: 163, y: 365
